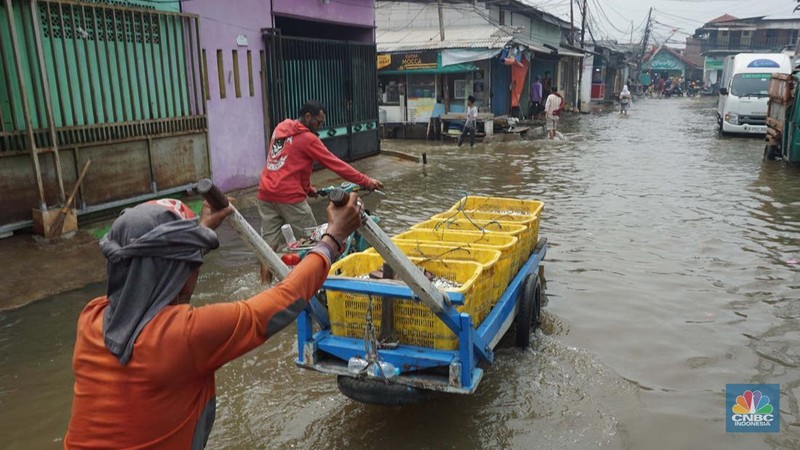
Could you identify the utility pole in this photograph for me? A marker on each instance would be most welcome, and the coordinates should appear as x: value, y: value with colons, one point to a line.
x: 630, y: 41
x: 645, y: 38
x: 583, y: 60
x: 437, y: 77
x: 571, y: 25
x: 583, y: 25
x: 441, y: 21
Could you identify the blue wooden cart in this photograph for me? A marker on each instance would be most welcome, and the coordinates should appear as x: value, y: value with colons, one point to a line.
x: 420, y: 368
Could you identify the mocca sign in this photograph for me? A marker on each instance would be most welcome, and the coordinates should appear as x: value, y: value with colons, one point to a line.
x: 409, y: 61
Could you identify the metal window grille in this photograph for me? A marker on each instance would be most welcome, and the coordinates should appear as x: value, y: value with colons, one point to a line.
x: 111, y: 71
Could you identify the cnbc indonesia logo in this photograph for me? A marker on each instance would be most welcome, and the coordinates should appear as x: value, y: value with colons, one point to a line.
x: 753, y: 409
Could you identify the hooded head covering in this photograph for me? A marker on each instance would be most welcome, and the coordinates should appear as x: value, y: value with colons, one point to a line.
x: 152, y: 249
x: 625, y: 90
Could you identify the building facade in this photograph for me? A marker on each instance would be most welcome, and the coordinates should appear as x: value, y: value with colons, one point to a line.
x: 265, y: 58
x: 613, y: 67
x: 120, y: 85
x: 160, y: 94
x: 667, y: 62
x: 490, y: 51
x: 727, y: 35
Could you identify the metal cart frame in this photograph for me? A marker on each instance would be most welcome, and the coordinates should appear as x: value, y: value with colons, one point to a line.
x: 326, y: 353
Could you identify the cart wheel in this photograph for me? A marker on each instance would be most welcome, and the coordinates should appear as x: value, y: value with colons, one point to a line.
x: 530, y: 310
x: 379, y: 393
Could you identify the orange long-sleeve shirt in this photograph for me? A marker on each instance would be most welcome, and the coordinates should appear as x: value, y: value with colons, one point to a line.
x: 163, y: 395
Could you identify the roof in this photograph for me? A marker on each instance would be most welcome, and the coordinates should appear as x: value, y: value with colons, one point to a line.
x: 723, y: 18
x: 522, y: 7
x: 488, y: 36
x: 614, y: 46
x: 674, y: 53
x: 762, y: 22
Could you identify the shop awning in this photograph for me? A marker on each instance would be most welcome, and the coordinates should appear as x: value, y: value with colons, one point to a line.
x: 439, y: 69
x: 459, y: 56
x: 566, y: 52
x: 419, y: 39
x: 537, y: 47
x: 453, y: 68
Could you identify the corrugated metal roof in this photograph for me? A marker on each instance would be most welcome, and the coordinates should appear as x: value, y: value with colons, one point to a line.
x: 413, y: 39
x: 567, y: 52
x: 617, y: 47
x: 490, y: 36
x: 536, y: 47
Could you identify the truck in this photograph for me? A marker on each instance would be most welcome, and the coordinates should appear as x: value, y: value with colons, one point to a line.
x: 744, y: 91
x: 783, y: 118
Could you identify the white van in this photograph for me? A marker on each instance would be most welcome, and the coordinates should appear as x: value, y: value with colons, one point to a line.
x: 744, y: 92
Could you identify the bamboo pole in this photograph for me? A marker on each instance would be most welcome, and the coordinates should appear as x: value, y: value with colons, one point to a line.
x: 37, y: 35
x: 23, y: 88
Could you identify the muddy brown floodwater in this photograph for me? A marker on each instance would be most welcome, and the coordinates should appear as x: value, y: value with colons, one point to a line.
x: 672, y: 271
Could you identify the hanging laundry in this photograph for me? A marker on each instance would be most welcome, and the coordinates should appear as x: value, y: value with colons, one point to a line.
x: 519, y: 72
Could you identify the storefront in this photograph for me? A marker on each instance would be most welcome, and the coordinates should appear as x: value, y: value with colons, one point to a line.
x: 668, y: 63
x: 415, y: 86
x: 712, y: 69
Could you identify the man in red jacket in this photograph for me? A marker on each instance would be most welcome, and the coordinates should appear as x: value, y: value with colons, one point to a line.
x: 286, y: 179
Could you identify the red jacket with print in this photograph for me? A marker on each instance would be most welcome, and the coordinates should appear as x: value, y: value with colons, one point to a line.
x: 286, y: 177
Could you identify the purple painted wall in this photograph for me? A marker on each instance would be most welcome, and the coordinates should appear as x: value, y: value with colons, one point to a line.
x: 350, y: 12
x: 236, y: 125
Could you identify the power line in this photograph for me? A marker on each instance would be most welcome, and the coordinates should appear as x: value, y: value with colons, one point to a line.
x: 679, y: 17
x: 599, y: 8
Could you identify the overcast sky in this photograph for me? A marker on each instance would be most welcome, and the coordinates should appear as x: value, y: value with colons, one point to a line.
x: 612, y: 18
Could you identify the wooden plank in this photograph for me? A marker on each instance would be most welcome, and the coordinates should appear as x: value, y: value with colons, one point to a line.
x: 518, y: 130
x: 25, y: 108
x: 774, y: 124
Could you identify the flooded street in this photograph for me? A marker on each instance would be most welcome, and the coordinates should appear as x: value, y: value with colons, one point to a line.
x: 672, y: 270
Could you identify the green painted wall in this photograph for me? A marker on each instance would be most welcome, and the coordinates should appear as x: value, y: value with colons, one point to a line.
x: 545, y: 33
x: 91, y: 56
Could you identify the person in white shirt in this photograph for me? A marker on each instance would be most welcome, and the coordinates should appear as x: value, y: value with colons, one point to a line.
x: 471, y: 123
x: 552, y: 109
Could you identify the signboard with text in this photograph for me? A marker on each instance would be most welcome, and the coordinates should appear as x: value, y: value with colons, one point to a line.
x: 409, y: 61
x: 713, y: 63
x: 664, y: 61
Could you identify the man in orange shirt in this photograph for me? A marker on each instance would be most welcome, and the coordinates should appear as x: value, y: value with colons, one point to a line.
x: 144, y: 358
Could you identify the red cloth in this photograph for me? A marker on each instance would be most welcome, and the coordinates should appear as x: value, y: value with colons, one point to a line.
x: 519, y: 72
x: 286, y: 177
x: 155, y: 400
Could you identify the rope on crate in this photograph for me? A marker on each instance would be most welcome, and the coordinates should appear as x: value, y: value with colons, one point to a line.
x: 461, y: 204
x: 448, y: 221
x: 440, y: 256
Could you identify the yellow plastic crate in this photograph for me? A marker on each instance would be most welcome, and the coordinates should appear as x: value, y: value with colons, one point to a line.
x: 414, y: 323
x: 494, y: 277
x: 508, y: 246
x: 503, y: 206
x: 498, y: 204
x: 531, y: 221
x: 484, y: 226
